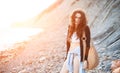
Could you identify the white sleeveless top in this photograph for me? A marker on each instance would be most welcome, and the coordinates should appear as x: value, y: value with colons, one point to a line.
x: 74, y: 38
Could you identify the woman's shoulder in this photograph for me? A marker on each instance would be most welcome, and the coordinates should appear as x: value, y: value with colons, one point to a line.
x: 86, y: 27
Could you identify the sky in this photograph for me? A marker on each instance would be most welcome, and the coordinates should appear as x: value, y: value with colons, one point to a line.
x: 20, y: 10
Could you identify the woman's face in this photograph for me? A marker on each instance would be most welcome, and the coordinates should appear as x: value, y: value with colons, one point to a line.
x: 77, y: 19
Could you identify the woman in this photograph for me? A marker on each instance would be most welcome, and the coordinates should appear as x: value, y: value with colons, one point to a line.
x: 76, y: 61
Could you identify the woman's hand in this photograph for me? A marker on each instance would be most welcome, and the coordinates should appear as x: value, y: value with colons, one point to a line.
x: 85, y: 64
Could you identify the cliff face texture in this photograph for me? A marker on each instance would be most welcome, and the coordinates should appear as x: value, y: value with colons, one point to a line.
x: 103, y: 18
x: 45, y: 53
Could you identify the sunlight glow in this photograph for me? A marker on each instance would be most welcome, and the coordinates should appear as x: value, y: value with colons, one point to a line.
x: 20, y: 10
x: 11, y: 36
x: 13, y: 11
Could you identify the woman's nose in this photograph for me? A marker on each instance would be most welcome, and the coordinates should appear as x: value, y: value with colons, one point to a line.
x: 77, y: 20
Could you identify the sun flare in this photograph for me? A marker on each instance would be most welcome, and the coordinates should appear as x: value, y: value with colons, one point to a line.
x: 13, y: 11
x: 20, y: 10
